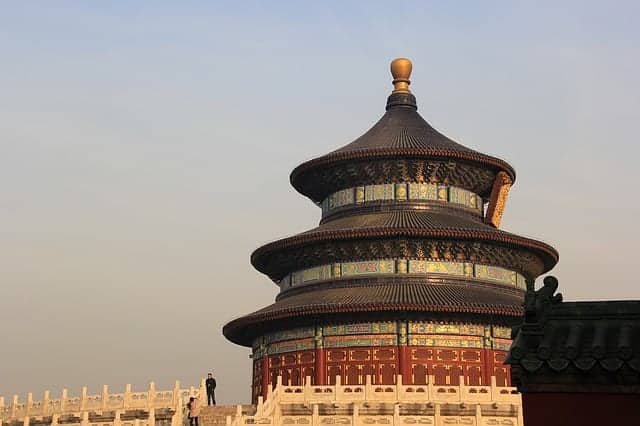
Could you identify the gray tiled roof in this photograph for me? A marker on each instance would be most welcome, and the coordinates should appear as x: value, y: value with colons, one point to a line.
x: 399, y: 296
x: 562, y: 339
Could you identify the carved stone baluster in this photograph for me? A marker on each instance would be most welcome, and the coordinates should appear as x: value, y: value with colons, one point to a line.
x: 116, y: 418
x: 85, y: 418
x: 28, y: 404
x: 176, y: 395
x: 127, y: 396
x: 45, y: 403
x: 63, y: 400
x: 203, y: 390
x: 105, y: 396
x: 83, y: 398
x: 494, y: 390
x: 14, y: 406
x: 315, y: 416
x: 151, y: 395
x: 176, y: 420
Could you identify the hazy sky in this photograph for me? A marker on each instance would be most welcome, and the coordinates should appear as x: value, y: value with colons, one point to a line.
x: 145, y: 152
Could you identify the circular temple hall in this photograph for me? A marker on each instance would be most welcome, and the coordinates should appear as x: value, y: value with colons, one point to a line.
x: 408, y: 272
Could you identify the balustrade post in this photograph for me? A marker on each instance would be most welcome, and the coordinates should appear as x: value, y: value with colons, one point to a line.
x: 276, y: 413
x: 25, y: 421
x: 494, y: 391
x: 396, y: 414
x: 27, y: 407
x: 430, y: 388
x: 260, y: 405
x: 105, y: 396
x: 45, y: 403
x: 83, y: 399
x: 117, y: 421
x: 85, y: 419
x: 152, y: 416
x: 63, y: 400
x: 306, y: 389
x: 368, y: 391
x: 478, y: 414
x: 126, y: 400
x: 354, y: 417
x: 269, y: 392
x: 176, y: 394
x: 203, y: 390
x: 54, y: 419
x: 437, y: 419
x: 315, y: 416
x: 14, y: 406
x: 151, y: 395
x: 176, y: 419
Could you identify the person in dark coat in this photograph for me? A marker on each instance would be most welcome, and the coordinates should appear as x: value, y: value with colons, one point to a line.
x: 211, y: 389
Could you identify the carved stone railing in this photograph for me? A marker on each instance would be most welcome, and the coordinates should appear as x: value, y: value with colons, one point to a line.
x: 81, y: 406
x: 397, y: 404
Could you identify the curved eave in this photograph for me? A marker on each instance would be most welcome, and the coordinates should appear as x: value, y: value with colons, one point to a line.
x: 243, y: 330
x: 549, y: 255
x: 298, y: 180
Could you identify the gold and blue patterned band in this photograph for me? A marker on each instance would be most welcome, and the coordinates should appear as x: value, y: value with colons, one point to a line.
x: 384, y: 333
x: 402, y: 192
x: 404, y: 267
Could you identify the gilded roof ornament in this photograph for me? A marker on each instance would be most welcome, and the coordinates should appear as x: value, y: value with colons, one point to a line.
x: 401, y: 71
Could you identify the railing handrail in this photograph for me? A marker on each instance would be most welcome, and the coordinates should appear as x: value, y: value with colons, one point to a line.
x: 352, y: 394
x: 146, y: 399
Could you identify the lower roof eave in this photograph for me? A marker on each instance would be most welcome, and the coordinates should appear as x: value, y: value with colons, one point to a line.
x: 242, y: 331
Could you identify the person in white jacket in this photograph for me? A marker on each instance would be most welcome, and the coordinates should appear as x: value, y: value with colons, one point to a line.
x: 194, y: 410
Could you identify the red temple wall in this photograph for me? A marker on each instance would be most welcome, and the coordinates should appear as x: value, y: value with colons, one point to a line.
x: 415, y: 363
x: 573, y: 409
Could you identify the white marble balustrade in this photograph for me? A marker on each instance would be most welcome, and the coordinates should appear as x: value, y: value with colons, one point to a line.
x: 80, y: 406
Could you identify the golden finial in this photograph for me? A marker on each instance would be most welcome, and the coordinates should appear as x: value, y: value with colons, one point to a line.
x: 401, y: 71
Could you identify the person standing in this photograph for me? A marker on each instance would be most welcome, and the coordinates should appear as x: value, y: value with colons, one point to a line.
x: 194, y: 410
x: 211, y: 389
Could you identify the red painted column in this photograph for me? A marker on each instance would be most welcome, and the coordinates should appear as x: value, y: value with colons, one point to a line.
x: 404, y: 363
x: 265, y: 375
x: 320, y: 367
x: 487, y: 367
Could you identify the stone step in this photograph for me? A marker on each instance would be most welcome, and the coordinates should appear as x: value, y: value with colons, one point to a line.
x: 217, y: 415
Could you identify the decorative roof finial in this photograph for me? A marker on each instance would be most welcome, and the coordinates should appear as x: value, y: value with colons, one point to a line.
x: 401, y: 71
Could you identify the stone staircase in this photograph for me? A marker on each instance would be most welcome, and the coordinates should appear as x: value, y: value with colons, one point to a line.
x: 210, y: 415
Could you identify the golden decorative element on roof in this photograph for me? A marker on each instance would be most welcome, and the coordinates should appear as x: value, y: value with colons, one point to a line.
x: 498, y: 200
x: 401, y: 71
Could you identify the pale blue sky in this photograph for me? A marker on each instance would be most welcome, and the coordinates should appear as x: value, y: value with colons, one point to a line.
x: 145, y: 149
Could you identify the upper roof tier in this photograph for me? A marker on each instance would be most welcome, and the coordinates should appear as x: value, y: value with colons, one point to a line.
x: 400, y: 134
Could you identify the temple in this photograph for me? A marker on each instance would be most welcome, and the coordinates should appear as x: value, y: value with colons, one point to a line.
x: 408, y: 272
